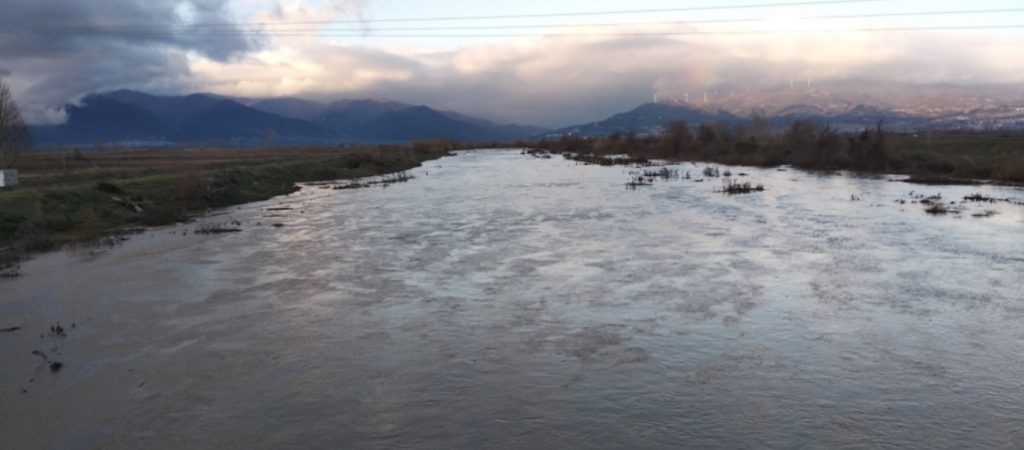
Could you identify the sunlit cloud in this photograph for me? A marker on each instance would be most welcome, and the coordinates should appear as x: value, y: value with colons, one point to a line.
x: 548, y: 78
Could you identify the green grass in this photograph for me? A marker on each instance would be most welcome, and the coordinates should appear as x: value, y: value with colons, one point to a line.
x: 46, y: 217
x: 958, y: 156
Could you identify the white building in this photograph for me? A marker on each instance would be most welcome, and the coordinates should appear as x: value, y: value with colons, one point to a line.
x: 8, y: 178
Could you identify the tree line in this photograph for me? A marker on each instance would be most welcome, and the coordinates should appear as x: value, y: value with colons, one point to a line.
x: 805, y: 143
x: 14, y: 134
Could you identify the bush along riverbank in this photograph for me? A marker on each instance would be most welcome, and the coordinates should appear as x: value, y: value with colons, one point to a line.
x: 953, y: 158
x: 34, y: 219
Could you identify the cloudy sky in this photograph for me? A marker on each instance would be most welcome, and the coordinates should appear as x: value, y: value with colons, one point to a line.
x: 530, y: 61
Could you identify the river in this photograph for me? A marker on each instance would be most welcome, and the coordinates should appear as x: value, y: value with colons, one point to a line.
x: 498, y: 300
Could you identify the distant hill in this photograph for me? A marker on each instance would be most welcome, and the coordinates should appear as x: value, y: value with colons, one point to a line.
x: 374, y: 119
x: 171, y: 110
x: 129, y: 117
x: 350, y: 117
x: 295, y: 108
x: 229, y: 121
x: 649, y: 118
x: 496, y: 131
x: 99, y: 117
x: 137, y: 118
x: 422, y: 122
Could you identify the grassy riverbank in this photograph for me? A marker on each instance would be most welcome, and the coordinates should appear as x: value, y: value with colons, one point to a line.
x: 97, y: 195
x: 937, y: 158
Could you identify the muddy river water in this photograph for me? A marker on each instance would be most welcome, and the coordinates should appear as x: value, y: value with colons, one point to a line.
x: 503, y: 301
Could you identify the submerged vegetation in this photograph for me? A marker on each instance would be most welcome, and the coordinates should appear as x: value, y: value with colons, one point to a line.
x: 121, y: 191
x: 950, y: 158
x: 732, y: 186
x: 384, y: 181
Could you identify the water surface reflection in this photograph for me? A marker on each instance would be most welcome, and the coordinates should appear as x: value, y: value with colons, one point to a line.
x: 503, y: 301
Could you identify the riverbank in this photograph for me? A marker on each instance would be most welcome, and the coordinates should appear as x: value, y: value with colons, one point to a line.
x: 930, y: 158
x: 121, y: 191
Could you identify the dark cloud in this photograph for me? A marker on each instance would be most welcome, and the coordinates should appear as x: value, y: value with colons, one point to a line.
x: 58, y: 50
x: 57, y: 27
x: 57, y: 56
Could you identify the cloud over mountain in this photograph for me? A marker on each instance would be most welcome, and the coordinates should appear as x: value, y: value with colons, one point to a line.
x: 60, y: 49
x: 550, y: 80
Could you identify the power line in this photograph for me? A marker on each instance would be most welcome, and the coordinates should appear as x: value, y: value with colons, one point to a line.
x: 535, y: 15
x: 629, y: 11
x: 699, y: 22
x: 322, y: 31
x: 686, y: 33
x: 672, y: 22
x: 616, y: 34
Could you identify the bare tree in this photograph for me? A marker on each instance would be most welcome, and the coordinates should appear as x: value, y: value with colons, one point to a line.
x: 868, y: 151
x: 676, y: 139
x: 14, y: 134
x: 813, y: 144
x: 802, y: 140
x: 757, y: 130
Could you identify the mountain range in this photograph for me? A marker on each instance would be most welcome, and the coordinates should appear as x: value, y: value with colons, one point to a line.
x: 137, y: 118
x: 650, y: 118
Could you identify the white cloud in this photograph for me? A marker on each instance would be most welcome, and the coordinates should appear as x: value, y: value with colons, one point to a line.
x: 535, y: 80
x: 561, y: 80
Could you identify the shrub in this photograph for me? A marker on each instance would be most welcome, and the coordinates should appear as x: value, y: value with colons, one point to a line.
x: 867, y: 151
x: 677, y: 140
x: 1011, y: 170
x: 432, y: 146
